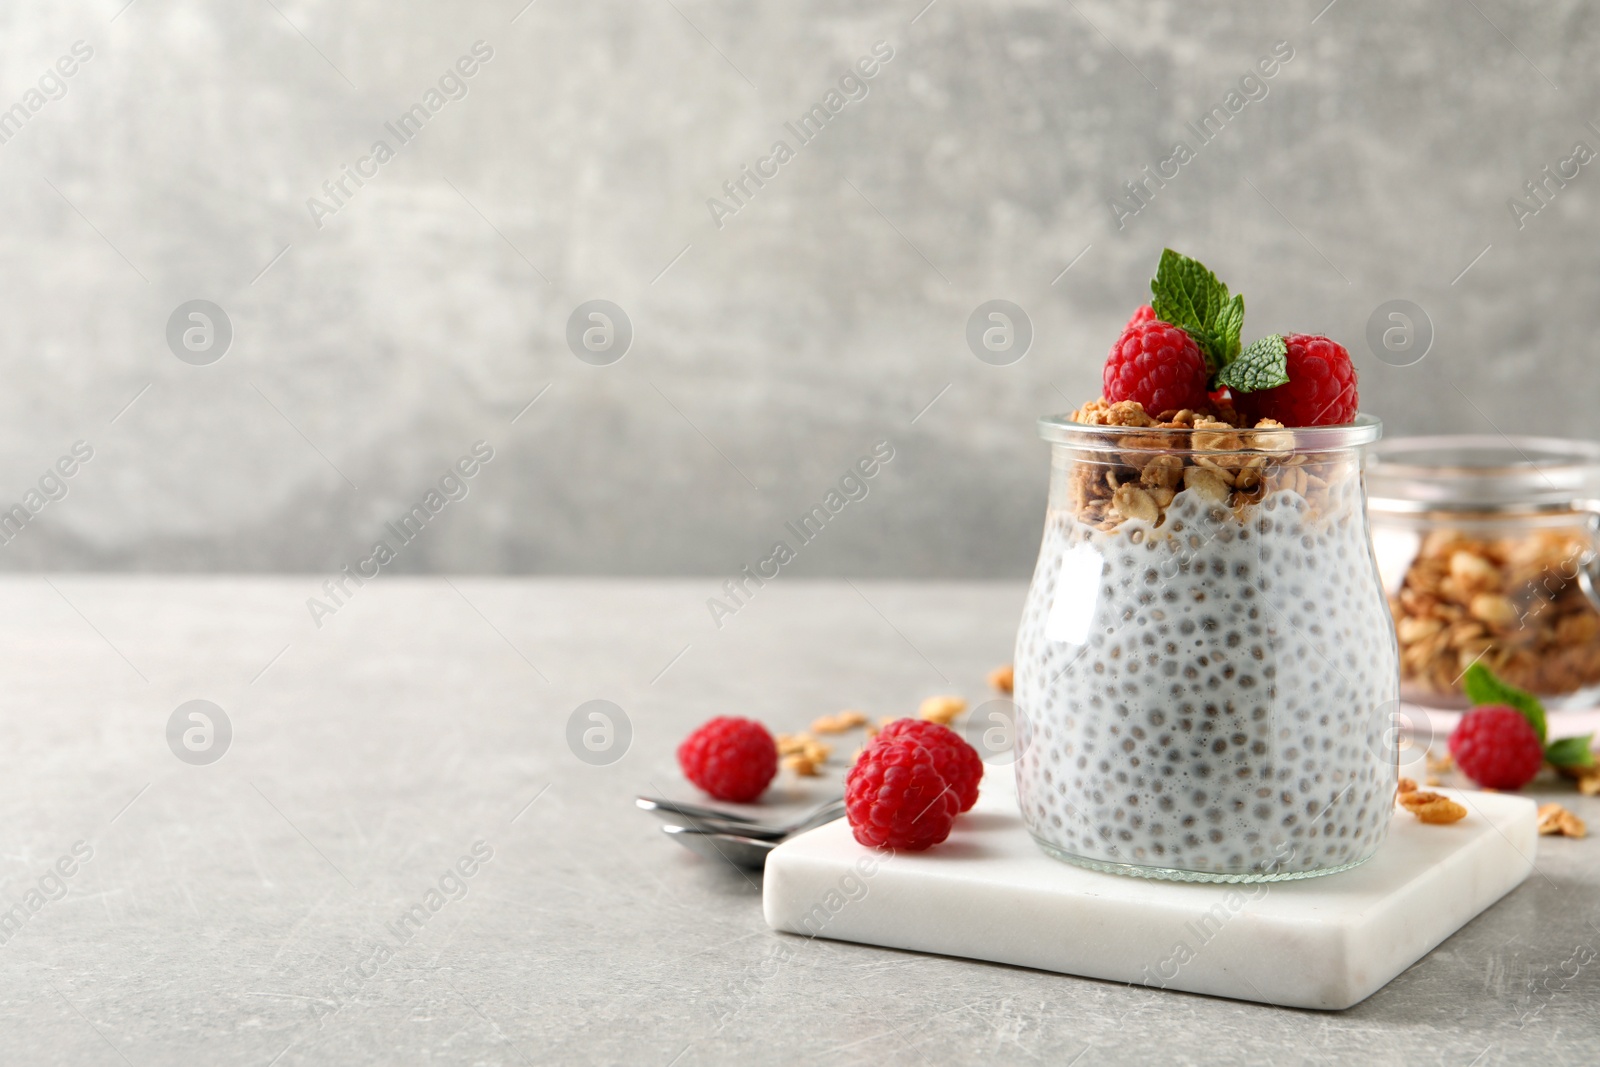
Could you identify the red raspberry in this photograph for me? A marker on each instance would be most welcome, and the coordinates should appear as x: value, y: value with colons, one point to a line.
x: 1496, y: 747
x: 896, y: 798
x: 732, y: 759
x: 1157, y: 364
x: 1321, y: 390
x: 1143, y: 315
x: 957, y: 762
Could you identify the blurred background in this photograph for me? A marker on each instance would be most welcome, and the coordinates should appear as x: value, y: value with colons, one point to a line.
x: 359, y: 338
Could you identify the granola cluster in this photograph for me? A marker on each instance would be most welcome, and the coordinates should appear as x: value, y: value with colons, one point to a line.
x: 1429, y: 807
x: 1512, y: 603
x: 1233, y: 465
x: 1557, y: 820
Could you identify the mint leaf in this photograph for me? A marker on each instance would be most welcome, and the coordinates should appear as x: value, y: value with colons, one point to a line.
x: 1571, y: 752
x: 1186, y: 294
x: 1261, y: 366
x: 1226, y: 328
x: 1482, y: 687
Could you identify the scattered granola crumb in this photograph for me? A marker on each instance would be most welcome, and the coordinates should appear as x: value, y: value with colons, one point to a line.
x: 1432, y: 807
x: 801, y: 766
x: 1002, y: 678
x: 1406, y: 786
x: 838, y: 724
x: 943, y: 709
x: 1554, y: 819
x: 1442, y: 764
x: 1433, y: 779
x: 789, y: 744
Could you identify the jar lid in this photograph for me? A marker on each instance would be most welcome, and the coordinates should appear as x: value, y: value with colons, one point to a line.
x: 1483, y: 474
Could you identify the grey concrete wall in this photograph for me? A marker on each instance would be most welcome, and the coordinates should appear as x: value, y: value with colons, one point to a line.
x: 771, y: 351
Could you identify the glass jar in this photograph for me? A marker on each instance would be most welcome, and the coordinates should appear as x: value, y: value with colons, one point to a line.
x: 1486, y: 546
x: 1206, y: 674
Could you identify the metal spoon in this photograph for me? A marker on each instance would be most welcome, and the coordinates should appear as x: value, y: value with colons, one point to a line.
x: 715, y: 821
x: 747, y: 852
x: 664, y: 808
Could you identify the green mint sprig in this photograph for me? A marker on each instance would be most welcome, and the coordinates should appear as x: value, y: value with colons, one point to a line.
x: 1482, y: 687
x: 1188, y: 295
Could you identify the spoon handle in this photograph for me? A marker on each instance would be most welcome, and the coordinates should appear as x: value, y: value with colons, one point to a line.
x: 692, y: 811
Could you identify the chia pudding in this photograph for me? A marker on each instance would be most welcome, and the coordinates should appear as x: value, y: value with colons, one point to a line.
x: 1206, y: 672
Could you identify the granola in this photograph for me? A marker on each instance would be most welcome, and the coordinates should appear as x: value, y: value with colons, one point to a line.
x: 1001, y: 678
x: 1218, y: 457
x: 1554, y: 819
x: 941, y: 709
x: 1512, y: 603
x: 1432, y: 807
x: 838, y: 724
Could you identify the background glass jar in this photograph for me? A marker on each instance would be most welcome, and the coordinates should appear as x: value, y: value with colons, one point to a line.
x: 1486, y: 546
x: 1206, y: 670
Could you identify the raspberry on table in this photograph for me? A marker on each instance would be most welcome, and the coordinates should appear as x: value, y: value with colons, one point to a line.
x: 730, y: 758
x: 1157, y: 364
x: 957, y: 762
x: 896, y: 798
x: 1321, y: 390
x: 1497, y: 747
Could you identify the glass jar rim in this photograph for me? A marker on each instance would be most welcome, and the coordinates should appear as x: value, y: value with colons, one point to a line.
x: 1483, y: 473
x: 1062, y: 430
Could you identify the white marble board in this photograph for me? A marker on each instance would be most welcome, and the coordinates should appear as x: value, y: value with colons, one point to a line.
x: 989, y: 893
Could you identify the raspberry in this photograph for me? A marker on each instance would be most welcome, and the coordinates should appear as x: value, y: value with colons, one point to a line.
x: 1321, y: 390
x: 1157, y: 364
x: 1496, y: 747
x: 957, y: 762
x: 896, y: 798
x: 732, y: 759
x: 1145, y: 314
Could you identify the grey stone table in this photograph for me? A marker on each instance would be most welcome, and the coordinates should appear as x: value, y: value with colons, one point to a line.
x: 251, y: 910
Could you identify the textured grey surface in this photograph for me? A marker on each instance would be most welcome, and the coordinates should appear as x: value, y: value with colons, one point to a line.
x: 224, y: 905
x: 824, y: 315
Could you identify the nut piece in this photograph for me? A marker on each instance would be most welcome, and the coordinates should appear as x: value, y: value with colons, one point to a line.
x: 1432, y: 807
x: 1132, y: 503
x: 1472, y: 571
x: 1002, y: 678
x: 789, y: 744
x: 1406, y: 786
x: 1206, y: 481
x: 1414, y: 628
x: 1554, y: 819
x: 941, y: 709
x: 1226, y: 440
x: 1162, y: 472
x: 1494, y: 609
